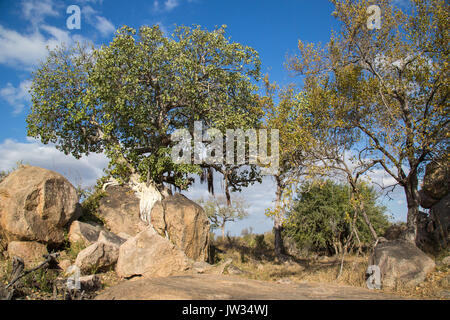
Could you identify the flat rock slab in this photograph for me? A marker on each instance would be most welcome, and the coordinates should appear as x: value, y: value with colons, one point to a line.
x: 223, y: 287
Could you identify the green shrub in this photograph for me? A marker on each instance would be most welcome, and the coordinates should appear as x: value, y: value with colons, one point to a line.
x: 90, y: 205
x: 42, y: 280
x: 74, y: 249
x: 322, y: 214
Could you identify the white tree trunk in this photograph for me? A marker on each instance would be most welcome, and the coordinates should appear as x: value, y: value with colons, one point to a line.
x: 148, y: 195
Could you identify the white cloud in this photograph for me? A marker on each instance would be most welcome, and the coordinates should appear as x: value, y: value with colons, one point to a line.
x: 104, y: 26
x: 19, y: 49
x: 84, y: 171
x: 24, y: 51
x: 381, y: 178
x: 36, y: 11
x: 90, y: 1
x: 16, y: 97
x: 171, y: 4
x: 88, y: 12
x: 167, y: 5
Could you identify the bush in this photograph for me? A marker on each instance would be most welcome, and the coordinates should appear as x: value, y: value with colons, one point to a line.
x: 322, y: 214
x: 90, y: 204
x: 74, y: 249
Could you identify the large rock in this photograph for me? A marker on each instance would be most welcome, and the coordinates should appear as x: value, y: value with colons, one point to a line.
x: 185, y: 223
x: 401, y: 264
x: 395, y: 231
x: 110, y: 238
x: 85, y: 233
x: 97, y: 257
x: 436, y: 183
x: 446, y: 261
x: 90, y: 283
x: 222, y: 287
x: 88, y: 234
x: 426, y: 201
x: 440, y: 213
x: 30, y: 251
x: 150, y: 255
x: 36, y: 205
x: 120, y: 210
x: 433, y: 229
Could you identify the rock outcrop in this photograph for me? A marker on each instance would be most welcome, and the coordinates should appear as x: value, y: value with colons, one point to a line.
x: 150, y: 255
x: 446, y: 261
x: 97, y: 257
x: 184, y: 223
x: 433, y: 232
x: 436, y: 183
x: 84, y: 233
x: 120, y: 210
x: 401, y: 264
x: 90, y: 283
x: 222, y: 287
x: 395, y: 231
x: 101, y: 254
x: 87, y: 234
x: 36, y: 204
x: 30, y: 251
x: 110, y: 238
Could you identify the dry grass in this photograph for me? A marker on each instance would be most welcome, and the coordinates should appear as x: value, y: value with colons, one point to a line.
x: 260, y: 264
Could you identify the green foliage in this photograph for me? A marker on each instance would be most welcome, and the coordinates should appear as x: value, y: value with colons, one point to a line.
x: 384, y: 90
x: 126, y: 98
x: 260, y: 244
x: 74, y: 249
x: 42, y: 280
x: 322, y: 214
x: 3, y: 175
x: 90, y: 204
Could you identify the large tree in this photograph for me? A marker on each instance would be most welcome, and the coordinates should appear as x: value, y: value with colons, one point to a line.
x: 126, y: 99
x: 389, y: 86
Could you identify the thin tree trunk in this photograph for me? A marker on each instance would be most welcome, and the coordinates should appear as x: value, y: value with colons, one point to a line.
x: 359, y: 241
x: 227, y: 188
x: 412, y: 200
x: 279, y: 246
x: 223, y: 231
x: 278, y: 226
x: 355, y: 194
x: 367, y: 220
x: 336, y: 251
x: 341, y: 267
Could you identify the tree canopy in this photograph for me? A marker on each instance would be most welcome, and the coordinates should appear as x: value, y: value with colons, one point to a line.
x: 126, y: 98
x: 385, y: 90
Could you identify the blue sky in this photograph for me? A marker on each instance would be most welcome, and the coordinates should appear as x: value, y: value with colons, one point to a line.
x: 28, y: 26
